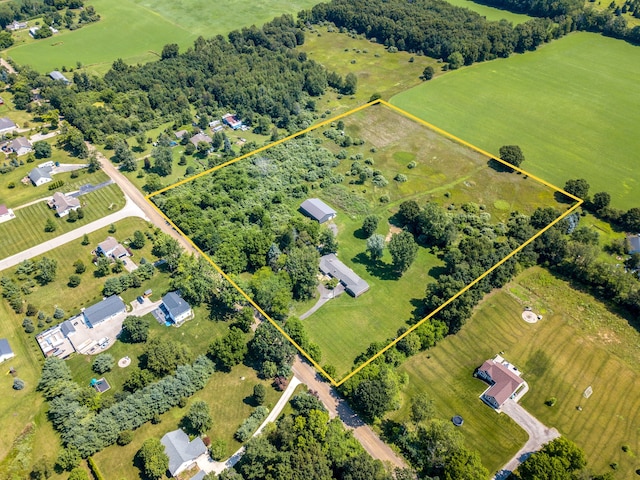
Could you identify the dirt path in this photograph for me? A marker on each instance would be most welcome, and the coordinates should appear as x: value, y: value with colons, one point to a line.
x: 138, y: 198
x: 7, y: 66
x: 538, y: 433
x: 338, y: 407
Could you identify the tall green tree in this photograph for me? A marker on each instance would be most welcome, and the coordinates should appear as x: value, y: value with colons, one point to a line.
x: 135, y: 329
x: 512, y: 154
x: 302, y: 264
x: 403, y: 249
x: 375, y: 246
x: 153, y: 459
x: 198, y: 419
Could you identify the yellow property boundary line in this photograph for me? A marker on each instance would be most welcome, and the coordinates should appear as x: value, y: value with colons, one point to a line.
x: 434, y: 312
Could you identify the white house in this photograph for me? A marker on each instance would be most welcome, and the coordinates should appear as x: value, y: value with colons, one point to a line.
x: 40, y: 176
x: 176, y: 309
x: 7, y: 125
x: 63, y: 204
x: 5, y: 350
x: 6, y: 214
x: 182, y: 453
x: 111, y: 248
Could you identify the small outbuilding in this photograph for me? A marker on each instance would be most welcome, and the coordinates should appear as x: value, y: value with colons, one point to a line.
x: 182, y: 453
x: 318, y: 210
x: 176, y: 309
x: 5, y: 350
x: 634, y: 244
x: 59, y: 77
x: 105, y: 310
x: 353, y: 284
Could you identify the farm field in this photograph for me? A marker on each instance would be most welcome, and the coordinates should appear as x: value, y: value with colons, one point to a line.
x: 579, y: 342
x: 27, y: 229
x: 491, y: 13
x: 561, y: 104
x: 136, y: 31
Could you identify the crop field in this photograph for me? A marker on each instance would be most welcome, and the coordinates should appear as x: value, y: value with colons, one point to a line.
x: 491, y: 13
x: 27, y: 229
x: 136, y: 31
x: 435, y: 168
x: 578, y: 343
x: 570, y: 106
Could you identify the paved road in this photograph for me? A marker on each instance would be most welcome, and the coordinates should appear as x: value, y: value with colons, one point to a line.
x: 338, y: 407
x: 130, y: 210
x: 43, y: 136
x: 138, y: 198
x: 325, y: 296
x: 539, y: 434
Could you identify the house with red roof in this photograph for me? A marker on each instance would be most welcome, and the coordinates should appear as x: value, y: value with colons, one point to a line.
x: 504, y: 382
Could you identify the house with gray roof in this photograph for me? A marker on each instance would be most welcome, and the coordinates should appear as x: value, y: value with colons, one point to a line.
x: 5, y: 350
x: 634, y: 243
x: 40, y: 176
x: 105, y: 310
x: 353, y: 284
x: 317, y: 210
x: 63, y: 204
x: 176, y: 308
x: 7, y: 125
x: 200, y: 137
x: 182, y: 453
x: 20, y: 146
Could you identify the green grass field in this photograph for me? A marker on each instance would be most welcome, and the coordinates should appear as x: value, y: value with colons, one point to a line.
x: 27, y: 229
x: 491, y: 13
x: 579, y: 342
x: 136, y: 31
x: 344, y: 327
x: 570, y: 106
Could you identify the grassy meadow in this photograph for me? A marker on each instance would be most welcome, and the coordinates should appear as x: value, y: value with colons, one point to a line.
x: 570, y: 106
x: 27, y: 229
x: 491, y: 13
x: 579, y: 342
x: 445, y: 172
x: 136, y: 31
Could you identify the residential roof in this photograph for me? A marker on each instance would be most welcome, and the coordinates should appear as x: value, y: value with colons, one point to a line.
x: 317, y: 209
x: 5, y: 348
x: 175, y: 304
x: 3, y: 210
x: 180, y: 450
x: 67, y: 328
x: 104, y: 310
x: 330, y: 265
x: 38, y: 173
x: 6, y: 123
x: 19, y: 142
x: 119, y: 252
x: 199, y: 476
x: 200, y: 137
x: 506, y: 381
x: 634, y: 243
x: 62, y: 202
x: 180, y: 133
x: 56, y: 75
x: 108, y: 245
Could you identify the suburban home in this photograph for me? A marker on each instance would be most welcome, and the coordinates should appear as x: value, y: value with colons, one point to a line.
x: 6, y: 214
x: 634, y: 243
x: 180, y: 134
x: 7, y: 125
x: 232, y: 121
x: 176, y: 308
x: 111, y: 248
x: 55, y: 340
x: 16, y: 25
x: 182, y: 453
x: 5, y: 350
x: 105, y: 310
x: 59, y: 77
x: 353, y: 284
x: 20, y: 146
x: 200, y: 137
x: 318, y: 210
x: 63, y: 204
x: 504, y: 380
x: 40, y: 176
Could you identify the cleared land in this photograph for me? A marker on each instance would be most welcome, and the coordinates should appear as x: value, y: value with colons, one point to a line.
x: 570, y: 105
x: 136, y: 31
x: 27, y: 229
x: 491, y: 13
x: 579, y: 342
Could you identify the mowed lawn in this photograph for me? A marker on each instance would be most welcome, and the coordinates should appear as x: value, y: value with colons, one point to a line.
x: 578, y: 343
x: 27, y: 229
x: 491, y: 13
x: 136, y: 31
x: 571, y: 106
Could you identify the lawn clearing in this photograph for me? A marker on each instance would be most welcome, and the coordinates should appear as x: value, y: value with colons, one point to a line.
x: 27, y: 229
x: 491, y: 13
x: 136, y: 31
x: 572, y: 117
x: 578, y: 343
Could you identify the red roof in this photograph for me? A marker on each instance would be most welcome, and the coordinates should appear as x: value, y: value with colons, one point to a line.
x: 3, y: 210
x: 506, y: 381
